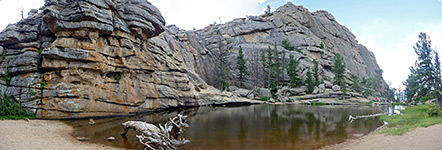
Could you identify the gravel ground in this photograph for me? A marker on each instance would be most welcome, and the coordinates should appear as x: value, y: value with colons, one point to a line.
x: 41, y: 134
x: 429, y: 138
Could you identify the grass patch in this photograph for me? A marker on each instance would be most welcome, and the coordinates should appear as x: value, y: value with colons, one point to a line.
x: 412, y: 117
x: 263, y: 98
x: 317, y: 104
x: 395, y: 103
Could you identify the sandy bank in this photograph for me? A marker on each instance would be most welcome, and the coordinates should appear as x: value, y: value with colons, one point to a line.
x: 41, y: 134
x: 429, y: 138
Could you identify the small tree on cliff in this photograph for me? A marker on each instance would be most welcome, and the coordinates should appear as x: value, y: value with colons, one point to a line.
x: 292, y: 71
x: 241, y: 66
x: 339, y: 71
x: 266, y: 60
x: 316, y: 73
x: 310, y: 83
x: 276, y: 71
x: 268, y: 11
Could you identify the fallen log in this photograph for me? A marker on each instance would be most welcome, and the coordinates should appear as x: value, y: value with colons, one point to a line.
x: 163, y: 137
x: 351, y: 118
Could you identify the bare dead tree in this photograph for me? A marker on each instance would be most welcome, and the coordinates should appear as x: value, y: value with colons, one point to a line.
x: 164, y: 137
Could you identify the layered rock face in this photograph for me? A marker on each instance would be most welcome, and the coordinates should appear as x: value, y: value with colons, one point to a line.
x: 82, y: 58
x: 90, y: 57
x: 314, y: 36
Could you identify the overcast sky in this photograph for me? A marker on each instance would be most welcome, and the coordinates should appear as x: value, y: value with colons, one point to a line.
x: 389, y: 28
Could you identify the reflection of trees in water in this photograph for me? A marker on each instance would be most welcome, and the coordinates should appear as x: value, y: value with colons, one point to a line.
x: 287, y: 125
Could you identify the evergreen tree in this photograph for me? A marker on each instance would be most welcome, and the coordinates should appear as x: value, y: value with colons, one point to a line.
x: 368, y: 85
x: 339, y: 71
x: 225, y: 77
x: 309, y: 81
x: 241, y: 66
x: 268, y: 11
x: 411, y: 84
x: 275, y: 71
x: 438, y: 82
x: 424, y: 67
x: 316, y: 73
x: 264, y: 67
x: 283, y: 65
x: 292, y: 71
x: 357, y: 84
x: 268, y: 65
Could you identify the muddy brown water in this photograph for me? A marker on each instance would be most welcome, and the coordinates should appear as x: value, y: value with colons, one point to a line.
x: 247, y: 127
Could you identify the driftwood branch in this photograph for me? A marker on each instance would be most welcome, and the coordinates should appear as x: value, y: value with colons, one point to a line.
x: 353, y: 118
x: 167, y: 136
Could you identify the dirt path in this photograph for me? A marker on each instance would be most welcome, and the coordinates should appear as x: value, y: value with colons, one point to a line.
x: 41, y: 134
x: 429, y: 138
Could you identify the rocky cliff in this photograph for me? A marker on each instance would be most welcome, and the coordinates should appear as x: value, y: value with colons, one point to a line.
x: 83, y: 58
x: 314, y: 36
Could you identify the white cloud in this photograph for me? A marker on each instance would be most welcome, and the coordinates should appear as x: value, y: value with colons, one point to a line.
x: 187, y: 14
x: 10, y: 10
x: 396, y: 56
x: 263, y: 1
x: 395, y: 62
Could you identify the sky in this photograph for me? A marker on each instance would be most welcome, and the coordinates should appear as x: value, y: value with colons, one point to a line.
x: 388, y: 28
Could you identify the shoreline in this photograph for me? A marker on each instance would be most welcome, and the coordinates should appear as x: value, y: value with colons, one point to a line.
x: 42, y: 134
x: 420, y: 138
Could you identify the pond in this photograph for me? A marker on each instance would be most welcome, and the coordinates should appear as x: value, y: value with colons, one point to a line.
x: 247, y: 127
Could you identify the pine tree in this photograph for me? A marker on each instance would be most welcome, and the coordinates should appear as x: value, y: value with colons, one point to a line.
x: 292, y: 71
x: 339, y: 71
x: 411, y: 84
x: 283, y: 65
x: 241, y: 66
x: 316, y: 73
x: 310, y: 83
x: 424, y: 67
x: 264, y: 67
x: 225, y: 77
x: 438, y: 82
x: 268, y: 65
x: 275, y: 71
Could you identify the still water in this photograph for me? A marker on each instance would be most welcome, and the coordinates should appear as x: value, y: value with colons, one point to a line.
x: 247, y: 127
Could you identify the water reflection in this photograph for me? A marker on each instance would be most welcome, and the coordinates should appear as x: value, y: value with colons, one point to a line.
x: 395, y: 110
x: 250, y: 127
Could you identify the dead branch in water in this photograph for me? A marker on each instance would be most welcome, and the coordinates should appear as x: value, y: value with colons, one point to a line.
x: 352, y: 118
x: 165, y: 137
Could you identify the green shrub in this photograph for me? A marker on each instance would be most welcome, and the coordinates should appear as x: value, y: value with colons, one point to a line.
x: 285, y: 84
x: 117, y: 76
x: 258, y: 90
x: 11, y: 110
x: 287, y: 45
x: 433, y: 110
x: 43, y: 83
x: 32, y: 92
x: 322, y: 45
x: 6, y: 77
x: 263, y: 98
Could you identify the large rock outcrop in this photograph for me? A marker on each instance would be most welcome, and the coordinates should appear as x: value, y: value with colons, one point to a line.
x: 314, y: 36
x: 90, y: 58
x: 82, y: 58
